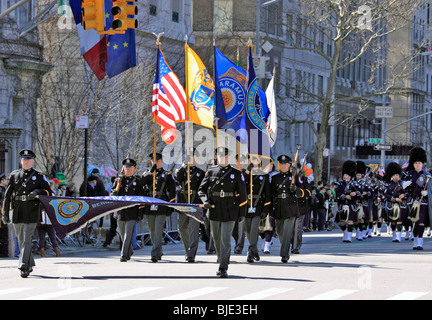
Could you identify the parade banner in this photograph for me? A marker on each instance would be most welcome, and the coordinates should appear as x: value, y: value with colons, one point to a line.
x: 70, y: 215
x: 200, y: 90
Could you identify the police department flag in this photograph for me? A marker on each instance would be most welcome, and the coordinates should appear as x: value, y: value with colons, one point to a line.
x: 70, y: 215
x: 257, y: 114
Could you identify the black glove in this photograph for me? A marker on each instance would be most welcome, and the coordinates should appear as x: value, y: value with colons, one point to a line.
x: 207, y: 205
x: 32, y: 195
x: 250, y: 167
x: 153, y: 169
x: 293, y: 188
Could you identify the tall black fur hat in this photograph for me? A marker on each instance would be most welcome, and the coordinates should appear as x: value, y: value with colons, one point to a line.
x: 392, y: 169
x: 350, y: 168
x: 361, y: 167
x: 417, y: 154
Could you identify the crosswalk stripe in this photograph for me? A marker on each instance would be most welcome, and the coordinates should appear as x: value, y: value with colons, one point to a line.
x: 194, y: 293
x: 263, y: 294
x: 58, y: 294
x: 408, y: 296
x: 126, y: 294
x: 333, y: 295
x: 13, y: 290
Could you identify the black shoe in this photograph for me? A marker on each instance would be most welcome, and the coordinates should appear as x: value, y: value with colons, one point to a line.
x: 249, y: 258
x: 222, y: 273
x: 123, y: 259
x: 295, y: 251
x: 25, y: 273
x: 190, y: 260
x: 285, y: 259
x: 256, y: 256
x: 154, y: 259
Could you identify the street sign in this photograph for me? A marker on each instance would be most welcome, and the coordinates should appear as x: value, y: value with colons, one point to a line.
x: 374, y: 140
x: 383, y: 147
x: 384, y: 112
x: 81, y: 122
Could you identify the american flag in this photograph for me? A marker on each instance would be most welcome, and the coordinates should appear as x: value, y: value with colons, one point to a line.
x: 169, y: 99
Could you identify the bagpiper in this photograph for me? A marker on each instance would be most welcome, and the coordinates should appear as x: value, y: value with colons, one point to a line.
x: 418, y: 195
x: 396, y: 197
x: 347, y: 196
x: 364, y: 215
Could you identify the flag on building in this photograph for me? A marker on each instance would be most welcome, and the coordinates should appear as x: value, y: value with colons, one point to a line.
x: 200, y: 90
x: 230, y: 83
x: 257, y: 114
x: 272, y: 119
x: 92, y: 45
x: 169, y: 99
x: 121, y: 47
x: 69, y: 215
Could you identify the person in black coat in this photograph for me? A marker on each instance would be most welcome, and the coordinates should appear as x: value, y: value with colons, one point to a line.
x: 21, y: 194
x: 128, y: 184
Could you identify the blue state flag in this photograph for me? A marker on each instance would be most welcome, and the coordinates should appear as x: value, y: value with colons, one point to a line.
x: 257, y: 114
x: 121, y: 47
x: 230, y: 87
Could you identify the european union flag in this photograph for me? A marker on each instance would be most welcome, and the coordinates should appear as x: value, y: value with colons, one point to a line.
x: 121, y: 47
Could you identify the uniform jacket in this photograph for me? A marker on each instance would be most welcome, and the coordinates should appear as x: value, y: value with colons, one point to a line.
x: 165, y: 190
x: 196, y: 177
x: 28, y: 211
x: 285, y: 201
x: 260, y: 182
x: 418, y: 180
x: 303, y: 202
x: 224, y: 180
x: 344, y: 189
x: 129, y: 186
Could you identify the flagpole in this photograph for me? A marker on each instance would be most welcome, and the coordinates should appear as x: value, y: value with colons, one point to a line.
x: 158, y: 44
x: 187, y: 114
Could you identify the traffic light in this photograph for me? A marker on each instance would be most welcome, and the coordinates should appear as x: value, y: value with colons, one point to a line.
x: 121, y: 10
x: 92, y: 14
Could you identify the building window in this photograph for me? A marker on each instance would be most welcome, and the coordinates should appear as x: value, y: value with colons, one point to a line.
x: 175, y: 16
x: 153, y: 10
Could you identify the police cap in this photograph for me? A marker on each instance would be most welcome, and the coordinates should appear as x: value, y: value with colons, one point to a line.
x: 284, y: 159
x: 129, y: 162
x: 27, y: 154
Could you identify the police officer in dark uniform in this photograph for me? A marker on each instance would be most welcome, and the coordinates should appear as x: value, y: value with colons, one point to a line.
x: 285, y: 194
x: 3, y: 227
x: 189, y: 228
x: 165, y: 189
x: 23, y: 187
x: 128, y: 184
x: 223, y: 191
x: 258, y: 204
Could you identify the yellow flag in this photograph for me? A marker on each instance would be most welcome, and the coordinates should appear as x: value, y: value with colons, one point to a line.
x: 200, y: 90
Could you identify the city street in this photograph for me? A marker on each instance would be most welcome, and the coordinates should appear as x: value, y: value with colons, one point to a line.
x: 326, y: 269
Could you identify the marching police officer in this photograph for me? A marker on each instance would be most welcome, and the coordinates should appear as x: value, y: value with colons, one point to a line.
x: 23, y: 187
x: 258, y: 204
x: 156, y: 215
x: 223, y: 191
x: 128, y: 184
x: 189, y: 227
x: 285, y: 204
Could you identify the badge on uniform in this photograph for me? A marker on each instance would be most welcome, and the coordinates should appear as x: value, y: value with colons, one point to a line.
x: 154, y: 207
x: 232, y: 176
x: 252, y: 210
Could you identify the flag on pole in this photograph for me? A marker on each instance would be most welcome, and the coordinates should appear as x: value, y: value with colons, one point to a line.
x: 169, y: 99
x: 121, y: 47
x: 230, y: 94
x: 257, y: 114
x: 272, y: 119
x: 201, y: 90
x: 93, y: 46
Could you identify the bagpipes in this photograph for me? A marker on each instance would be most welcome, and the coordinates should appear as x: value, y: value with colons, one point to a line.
x: 414, y: 215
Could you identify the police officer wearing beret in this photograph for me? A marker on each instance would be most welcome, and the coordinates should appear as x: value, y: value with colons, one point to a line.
x: 23, y: 187
x: 285, y: 204
x: 156, y: 215
x: 189, y: 227
x: 128, y: 184
x: 223, y: 191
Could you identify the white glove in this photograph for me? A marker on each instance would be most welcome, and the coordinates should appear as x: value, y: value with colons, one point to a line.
x: 406, y: 184
x: 424, y: 193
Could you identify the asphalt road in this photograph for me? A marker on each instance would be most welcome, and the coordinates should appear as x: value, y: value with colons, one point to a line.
x: 326, y: 269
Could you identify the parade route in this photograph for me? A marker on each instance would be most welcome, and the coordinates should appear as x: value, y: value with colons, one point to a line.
x: 326, y: 269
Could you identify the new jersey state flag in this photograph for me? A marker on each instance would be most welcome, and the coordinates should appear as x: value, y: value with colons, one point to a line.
x: 200, y: 90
